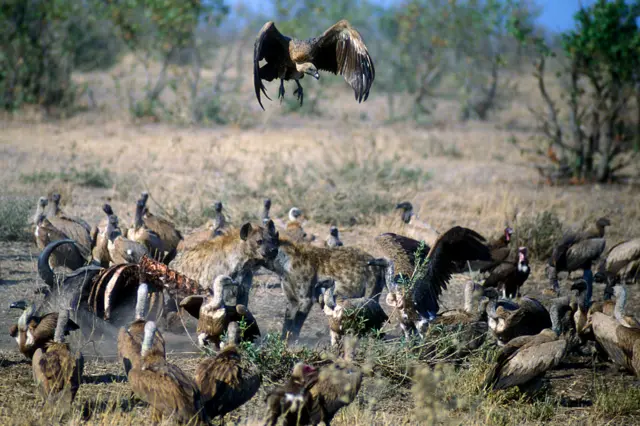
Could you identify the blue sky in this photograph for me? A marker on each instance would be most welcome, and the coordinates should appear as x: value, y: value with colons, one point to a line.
x: 557, y: 15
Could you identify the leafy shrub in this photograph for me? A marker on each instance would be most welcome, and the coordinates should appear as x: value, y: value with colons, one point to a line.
x: 14, y: 218
x: 540, y: 234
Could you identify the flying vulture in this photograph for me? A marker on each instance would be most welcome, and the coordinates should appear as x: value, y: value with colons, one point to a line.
x: 339, y: 50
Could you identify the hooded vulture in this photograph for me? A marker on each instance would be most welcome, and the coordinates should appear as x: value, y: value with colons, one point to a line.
x: 58, y: 372
x: 164, y: 386
x: 214, y: 315
x: 416, y: 294
x: 130, y: 339
x: 339, y: 50
x: 622, y: 264
x: 227, y: 381
x: 35, y: 332
x: 526, y: 358
x: 292, y: 400
x: 578, y: 250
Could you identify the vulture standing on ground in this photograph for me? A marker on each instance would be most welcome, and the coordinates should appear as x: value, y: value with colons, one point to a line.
x: 508, y: 320
x: 293, y: 399
x: 622, y: 264
x: 510, y: 274
x: 214, y: 315
x: 140, y: 233
x: 617, y: 309
x: 213, y: 228
x: 57, y: 372
x: 167, y: 231
x: 34, y: 332
x: 621, y: 343
x: 164, y: 386
x: 526, y: 358
x: 121, y: 249
x: 130, y: 339
x: 339, y: 50
x: 100, y: 251
x: 71, y: 256
x: 227, y: 381
x: 578, y: 250
x: 418, y: 303
x: 333, y: 240
x: 75, y: 228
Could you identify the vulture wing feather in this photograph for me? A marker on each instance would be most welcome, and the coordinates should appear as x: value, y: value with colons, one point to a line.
x: 271, y: 46
x: 341, y: 50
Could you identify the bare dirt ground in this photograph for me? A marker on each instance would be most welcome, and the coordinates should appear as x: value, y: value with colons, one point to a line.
x: 476, y: 178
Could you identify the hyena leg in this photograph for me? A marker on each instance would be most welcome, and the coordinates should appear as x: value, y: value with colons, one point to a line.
x: 303, y: 311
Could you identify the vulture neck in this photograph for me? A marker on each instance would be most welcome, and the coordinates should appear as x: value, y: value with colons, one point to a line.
x: 138, y: 223
x: 406, y: 216
x: 63, y: 318
x: 216, y: 295
x: 390, y: 276
x: 39, y: 212
x: 26, y: 317
x: 555, y: 318
x: 468, y: 297
x: 232, y: 334
x: 588, y: 277
x: 621, y: 302
x: 147, y: 341
x: 141, y: 302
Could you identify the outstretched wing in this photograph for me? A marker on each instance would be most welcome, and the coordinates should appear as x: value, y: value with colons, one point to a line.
x: 401, y: 250
x: 273, y: 47
x: 455, y: 245
x: 341, y: 50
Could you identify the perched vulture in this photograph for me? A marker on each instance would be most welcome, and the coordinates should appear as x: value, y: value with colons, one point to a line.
x: 339, y: 50
x: 58, y: 372
x: 293, y: 400
x: 214, y: 316
x: 578, y: 250
x: 35, y: 332
x: 130, y: 339
x: 418, y: 302
x: 622, y: 264
x: 526, y: 358
x: 227, y: 380
x: 508, y: 320
x: 164, y: 386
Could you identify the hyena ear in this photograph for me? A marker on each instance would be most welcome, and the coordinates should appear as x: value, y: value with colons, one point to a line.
x: 244, y: 231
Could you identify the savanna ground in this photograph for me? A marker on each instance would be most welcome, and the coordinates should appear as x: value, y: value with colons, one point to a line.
x: 345, y: 166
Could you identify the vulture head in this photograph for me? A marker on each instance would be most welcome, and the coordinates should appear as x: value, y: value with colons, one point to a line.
x: 508, y: 231
x: 603, y: 222
x: 42, y: 204
x: 294, y: 214
x: 523, y: 261
x: 333, y: 231
x: 107, y: 209
x: 218, y: 206
x: 309, y: 69
x: 267, y: 203
x: 407, y: 210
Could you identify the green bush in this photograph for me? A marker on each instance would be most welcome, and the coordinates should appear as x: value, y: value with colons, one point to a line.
x: 540, y: 234
x: 14, y: 218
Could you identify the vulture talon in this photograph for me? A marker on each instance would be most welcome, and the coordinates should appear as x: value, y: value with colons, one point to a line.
x: 299, y: 92
x: 281, y: 91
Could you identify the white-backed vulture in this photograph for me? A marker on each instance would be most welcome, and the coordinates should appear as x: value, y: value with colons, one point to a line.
x: 130, y: 338
x: 33, y: 332
x: 333, y: 240
x: 71, y: 255
x: 365, y: 312
x: 578, y: 250
x: 621, y: 343
x: 339, y: 50
x: 121, y: 249
x: 58, y: 372
x: 166, y: 230
x: 622, y: 263
x: 76, y: 229
x: 227, y: 381
x: 214, y: 227
x: 526, y: 358
x: 294, y: 230
x: 164, y: 386
x: 292, y: 400
x: 100, y: 238
x: 140, y: 233
x: 416, y: 294
x: 508, y: 319
x: 214, y: 316
x: 510, y: 274
x: 616, y: 309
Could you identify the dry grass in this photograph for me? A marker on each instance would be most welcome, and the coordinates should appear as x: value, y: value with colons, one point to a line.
x: 343, y: 167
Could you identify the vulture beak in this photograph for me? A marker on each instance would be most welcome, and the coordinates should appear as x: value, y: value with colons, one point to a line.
x: 314, y: 74
x: 21, y: 304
